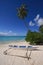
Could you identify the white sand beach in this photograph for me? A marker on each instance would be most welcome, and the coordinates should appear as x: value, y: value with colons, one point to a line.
x: 12, y: 57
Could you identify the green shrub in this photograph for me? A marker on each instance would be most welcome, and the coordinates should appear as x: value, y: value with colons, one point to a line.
x: 41, y: 28
x: 34, y: 38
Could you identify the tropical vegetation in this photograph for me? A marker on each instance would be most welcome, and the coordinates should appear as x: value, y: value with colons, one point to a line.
x: 35, y: 37
x: 32, y: 37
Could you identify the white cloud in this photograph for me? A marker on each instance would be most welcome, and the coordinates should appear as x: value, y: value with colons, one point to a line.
x: 9, y: 33
x: 37, y: 17
x: 3, y: 33
x: 40, y: 22
x: 31, y: 23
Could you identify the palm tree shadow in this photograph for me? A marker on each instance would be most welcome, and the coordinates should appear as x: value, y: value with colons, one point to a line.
x: 23, y: 56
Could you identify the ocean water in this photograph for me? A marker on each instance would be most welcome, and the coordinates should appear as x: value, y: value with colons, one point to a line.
x: 11, y: 38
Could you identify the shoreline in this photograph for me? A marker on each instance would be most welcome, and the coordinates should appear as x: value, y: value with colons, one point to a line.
x: 2, y: 42
x: 7, y: 43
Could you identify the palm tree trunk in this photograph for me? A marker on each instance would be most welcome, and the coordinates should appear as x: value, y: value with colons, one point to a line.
x: 26, y: 25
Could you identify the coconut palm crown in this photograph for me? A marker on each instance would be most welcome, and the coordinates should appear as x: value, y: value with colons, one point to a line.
x: 22, y: 11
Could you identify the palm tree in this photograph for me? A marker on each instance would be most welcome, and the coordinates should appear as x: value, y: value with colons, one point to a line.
x: 22, y: 14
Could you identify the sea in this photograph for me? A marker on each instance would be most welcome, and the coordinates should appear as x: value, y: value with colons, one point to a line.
x: 11, y: 38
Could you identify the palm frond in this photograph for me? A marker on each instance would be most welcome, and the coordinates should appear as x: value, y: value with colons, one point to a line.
x: 22, y: 11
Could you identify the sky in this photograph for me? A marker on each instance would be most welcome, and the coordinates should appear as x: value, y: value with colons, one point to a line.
x: 10, y: 24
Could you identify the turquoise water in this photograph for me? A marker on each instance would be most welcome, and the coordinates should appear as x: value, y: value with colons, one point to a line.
x: 11, y: 38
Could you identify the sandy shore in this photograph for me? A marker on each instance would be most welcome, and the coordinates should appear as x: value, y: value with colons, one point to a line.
x: 12, y: 57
